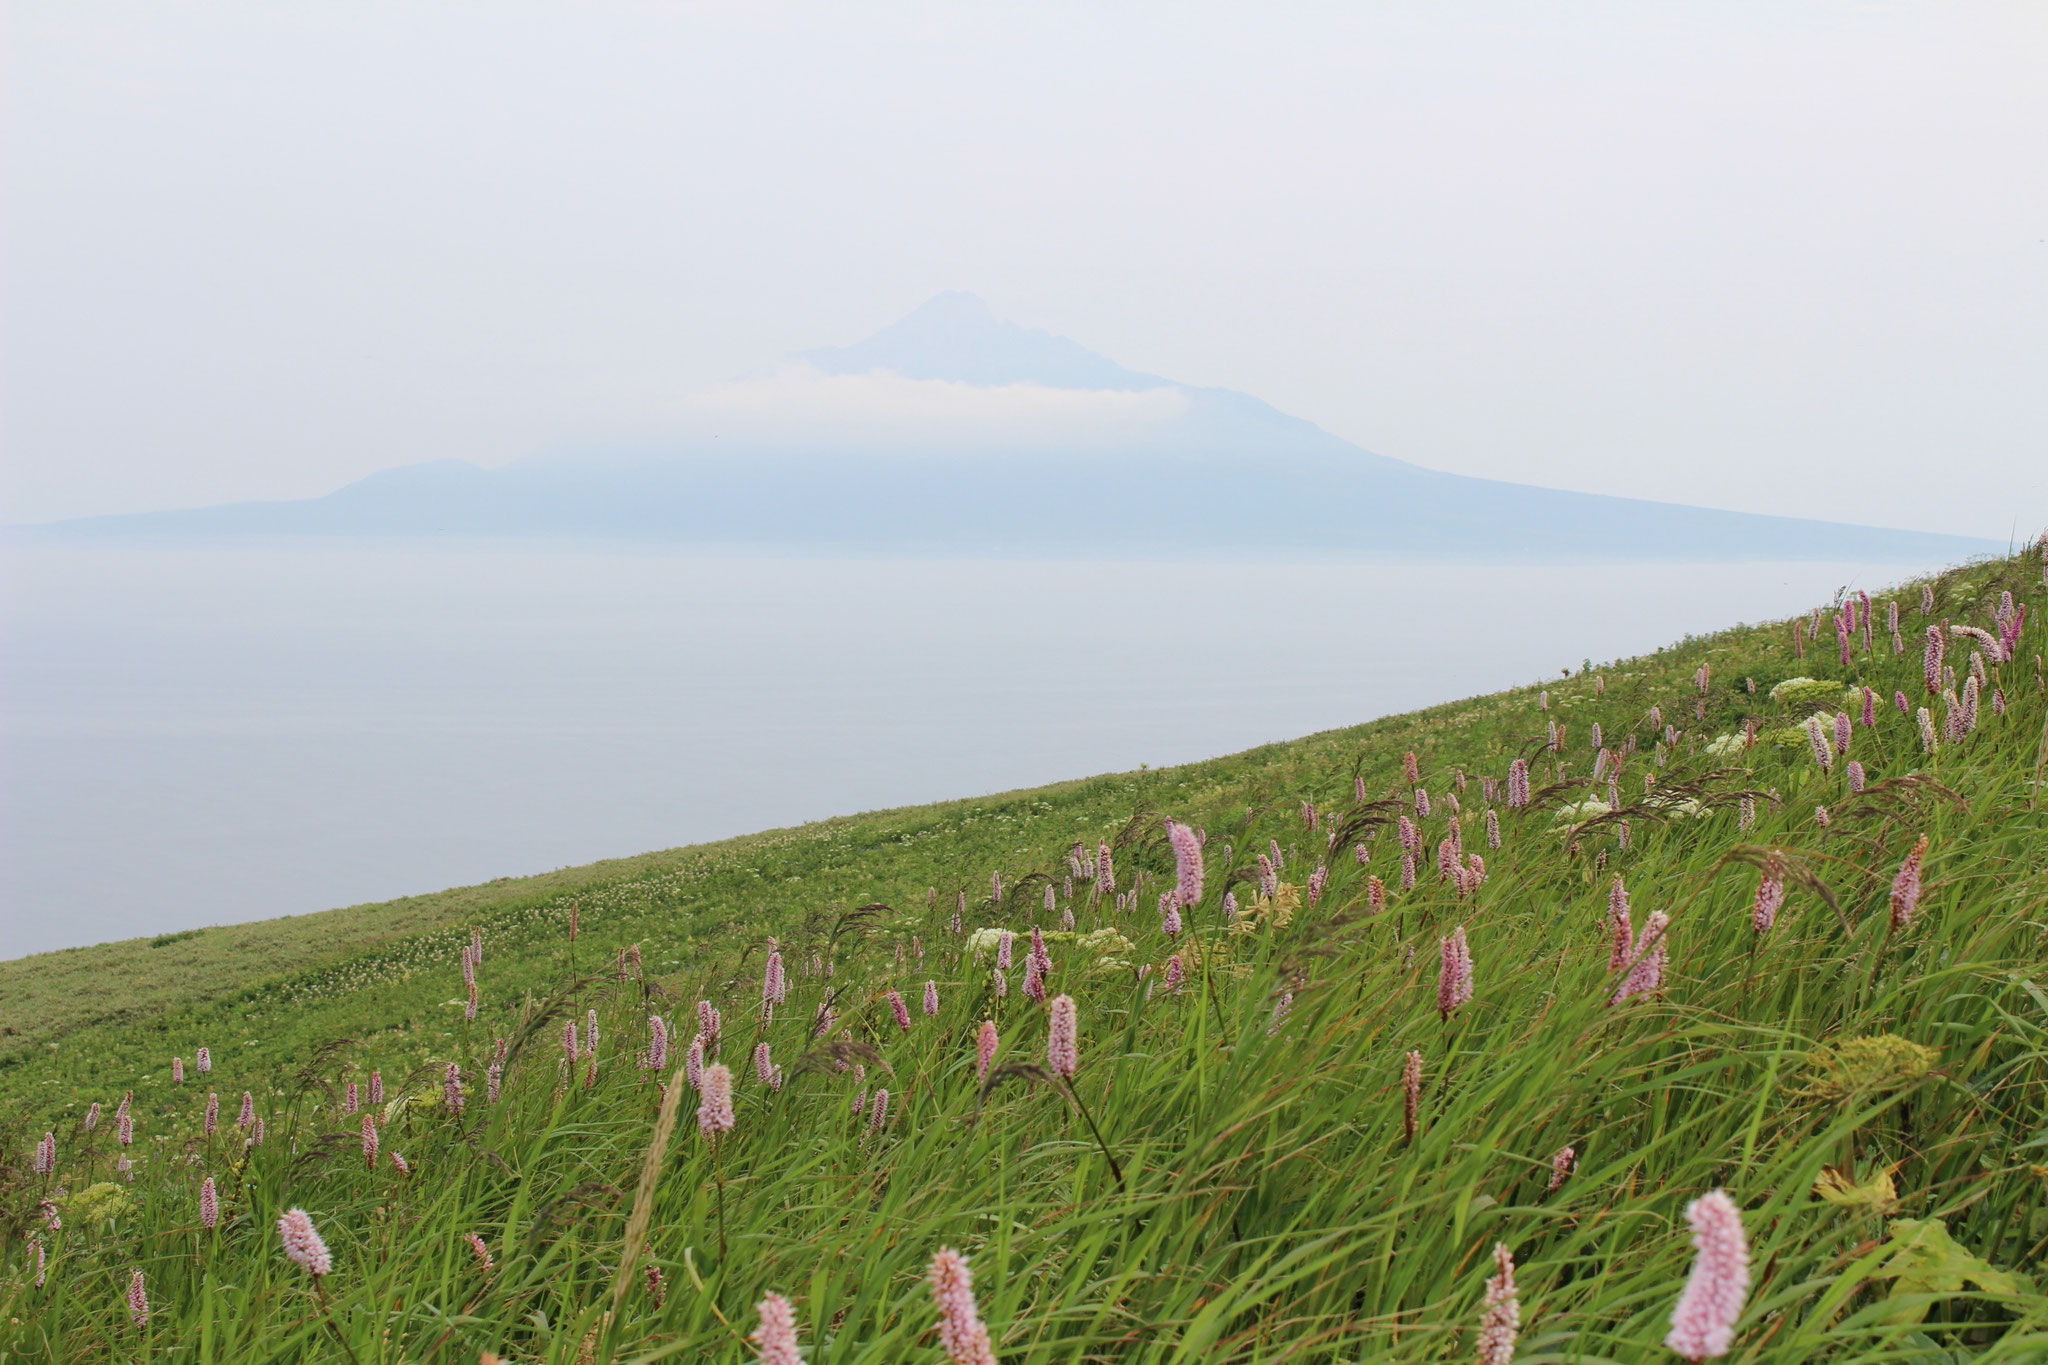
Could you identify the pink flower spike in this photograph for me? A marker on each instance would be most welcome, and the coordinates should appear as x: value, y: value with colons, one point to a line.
x: 1703, y: 1322
x: 1561, y: 1167
x: 1817, y: 740
x: 878, y: 1112
x: 302, y: 1243
x: 1187, y: 862
x: 900, y: 1010
x: 931, y: 999
x: 1454, y: 973
x: 1038, y: 953
x: 480, y: 1250
x: 775, y: 1339
x: 960, y: 1327
x: 209, y: 1205
x: 1646, y: 972
x: 369, y: 1142
x: 1906, y: 886
x: 1621, y: 933
x: 1062, y: 1051
x: 657, y: 1042
x: 138, y: 1300
x: 1770, y: 896
x: 714, y: 1114
x: 1502, y: 1320
x: 984, y: 1049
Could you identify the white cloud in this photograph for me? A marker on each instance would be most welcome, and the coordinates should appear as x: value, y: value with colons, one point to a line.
x: 881, y: 407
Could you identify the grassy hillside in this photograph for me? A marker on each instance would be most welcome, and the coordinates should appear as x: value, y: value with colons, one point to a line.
x: 1234, y: 1170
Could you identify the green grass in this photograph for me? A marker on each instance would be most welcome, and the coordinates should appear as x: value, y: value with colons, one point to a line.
x: 1266, y: 1203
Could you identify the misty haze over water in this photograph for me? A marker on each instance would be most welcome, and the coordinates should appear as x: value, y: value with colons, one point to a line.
x: 206, y: 735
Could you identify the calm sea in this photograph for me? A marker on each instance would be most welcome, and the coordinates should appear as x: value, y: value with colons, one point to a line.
x: 198, y: 736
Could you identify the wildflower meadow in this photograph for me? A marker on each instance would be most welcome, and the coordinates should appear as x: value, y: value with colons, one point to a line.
x: 1682, y: 1008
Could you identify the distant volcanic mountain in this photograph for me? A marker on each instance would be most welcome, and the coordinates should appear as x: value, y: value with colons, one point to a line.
x: 953, y: 432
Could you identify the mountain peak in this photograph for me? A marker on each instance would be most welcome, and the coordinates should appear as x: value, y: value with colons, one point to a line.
x: 957, y: 336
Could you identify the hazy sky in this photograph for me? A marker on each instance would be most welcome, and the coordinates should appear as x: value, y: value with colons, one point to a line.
x: 1769, y: 256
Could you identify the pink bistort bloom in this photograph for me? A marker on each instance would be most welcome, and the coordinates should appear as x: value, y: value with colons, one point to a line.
x: 714, y: 1114
x: 1454, y: 973
x: 302, y: 1243
x: 961, y: 1332
x: 984, y: 1049
x: 1703, y: 1323
x: 1062, y: 1049
x: 1502, y: 1320
x: 1646, y: 971
x: 1770, y: 895
x: 1906, y: 886
x: 1620, y: 931
x: 1817, y: 740
x: 775, y: 1339
x: 1187, y: 862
